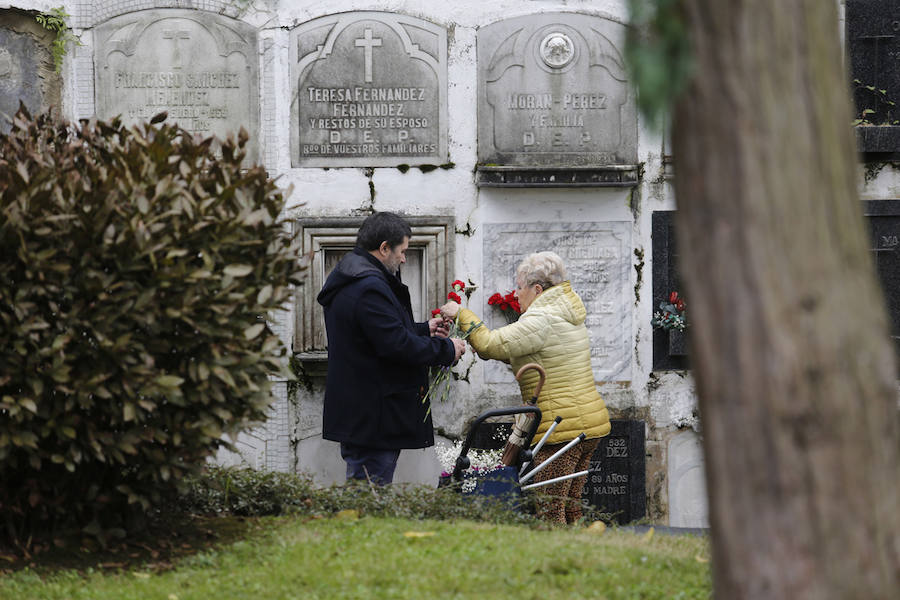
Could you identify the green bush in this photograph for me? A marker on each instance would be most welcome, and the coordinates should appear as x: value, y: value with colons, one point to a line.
x: 247, y: 492
x: 137, y: 271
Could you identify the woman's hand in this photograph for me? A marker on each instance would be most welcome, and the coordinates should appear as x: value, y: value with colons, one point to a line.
x: 450, y: 310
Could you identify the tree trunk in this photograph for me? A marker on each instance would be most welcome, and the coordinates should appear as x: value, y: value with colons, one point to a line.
x: 789, y: 337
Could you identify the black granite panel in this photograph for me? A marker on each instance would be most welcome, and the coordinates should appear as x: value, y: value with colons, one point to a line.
x: 617, y: 482
x: 883, y: 217
x: 666, y: 356
x: 884, y: 226
x: 873, y: 48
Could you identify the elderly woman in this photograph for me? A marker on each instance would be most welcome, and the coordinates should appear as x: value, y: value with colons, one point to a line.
x: 550, y: 332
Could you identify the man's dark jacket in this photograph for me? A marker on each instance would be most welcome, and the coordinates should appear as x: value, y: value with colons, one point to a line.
x: 377, y: 358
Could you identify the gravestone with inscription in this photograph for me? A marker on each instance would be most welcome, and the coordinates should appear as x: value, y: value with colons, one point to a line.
x: 617, y: 482
x: 202, y: 68
x: 873, y: 47
x: 554, y: 95
x: 368, y: 89
x: 597, y: 260
x: 27, y: 72
x: 884, y: 225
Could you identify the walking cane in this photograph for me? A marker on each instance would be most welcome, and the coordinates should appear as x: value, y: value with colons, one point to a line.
x: 520, y: 428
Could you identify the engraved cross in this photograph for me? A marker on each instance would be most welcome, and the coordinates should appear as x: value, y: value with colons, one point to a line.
x: 368, y: 42
x: 175, y: 36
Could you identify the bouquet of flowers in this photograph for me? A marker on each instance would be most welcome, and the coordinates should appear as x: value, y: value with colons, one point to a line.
x: 508, y: 305
x: 671, y: 314
x: 439, y: 377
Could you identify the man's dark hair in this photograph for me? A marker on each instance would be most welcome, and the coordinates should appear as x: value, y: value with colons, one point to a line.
x: 382, y: 227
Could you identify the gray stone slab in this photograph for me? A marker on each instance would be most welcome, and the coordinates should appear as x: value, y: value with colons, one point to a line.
x: 597, y: 258
x: 368, y: 89
x: 27, y: 72
x: 688, y: 505
x: 553, y: 91
x: 201, y: 67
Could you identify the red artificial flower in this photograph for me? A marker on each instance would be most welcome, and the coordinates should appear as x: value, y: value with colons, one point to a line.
x: 680, y: 305
x: 673, y: 297
x: 435, y: 312
x: 455, y: 297
x: 459, y: 284
x: 495, y: 299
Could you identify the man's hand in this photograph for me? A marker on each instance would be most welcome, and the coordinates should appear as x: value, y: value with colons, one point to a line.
x: 460, y: 347
x: 438, y: 326
x: 450, y: 310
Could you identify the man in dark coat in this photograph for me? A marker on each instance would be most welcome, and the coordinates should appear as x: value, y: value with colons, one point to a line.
x: 378, y: 356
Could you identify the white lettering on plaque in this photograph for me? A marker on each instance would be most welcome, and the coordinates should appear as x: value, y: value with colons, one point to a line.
x: 554, y: 90
x: 199, y: 67
x: 369, y: 89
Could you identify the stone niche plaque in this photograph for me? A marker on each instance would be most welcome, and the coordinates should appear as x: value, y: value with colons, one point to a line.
x: 688, y: 505
x: 27, y: 72
x: 369, y: 89
x: 597, y: 260
x: 873, y: 49
x: 553, y: 94
x: 617, y: 482
x: 202, y: 68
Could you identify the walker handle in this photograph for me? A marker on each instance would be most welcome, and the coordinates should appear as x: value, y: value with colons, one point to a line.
x: 463, y: 458
x: 541, y: 373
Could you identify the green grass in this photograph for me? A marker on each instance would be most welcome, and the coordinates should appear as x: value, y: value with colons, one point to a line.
x: 371, y: 558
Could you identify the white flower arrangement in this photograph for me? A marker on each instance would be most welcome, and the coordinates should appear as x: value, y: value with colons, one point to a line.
x: 481, y: 461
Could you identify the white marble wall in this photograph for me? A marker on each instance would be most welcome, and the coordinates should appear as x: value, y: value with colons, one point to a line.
x: 291, y: 438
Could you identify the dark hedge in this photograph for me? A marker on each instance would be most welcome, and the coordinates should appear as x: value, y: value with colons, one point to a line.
x: 138, y: 267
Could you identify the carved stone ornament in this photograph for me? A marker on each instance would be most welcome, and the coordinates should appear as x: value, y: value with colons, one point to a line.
x: 557, y: 50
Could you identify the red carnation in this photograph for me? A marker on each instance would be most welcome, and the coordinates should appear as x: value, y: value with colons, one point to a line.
x: 515, y: 306
x: 459, y: 284
x: 680, y: 305
x: 504, y: 305
x: 455, y: 297
x: 495, y: 299
x: 435, y: 312
x: 673, y: 297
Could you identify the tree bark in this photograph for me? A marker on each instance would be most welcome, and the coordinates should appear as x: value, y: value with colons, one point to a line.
x: 790, y: 346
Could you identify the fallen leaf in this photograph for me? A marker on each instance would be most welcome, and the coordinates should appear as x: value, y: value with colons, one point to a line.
x: 701, y: 559
x: 597, y: 527
x: 418, y: 534
x: 648, y: 536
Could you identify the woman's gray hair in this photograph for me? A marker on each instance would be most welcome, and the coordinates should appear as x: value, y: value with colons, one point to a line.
x: 545, y: 268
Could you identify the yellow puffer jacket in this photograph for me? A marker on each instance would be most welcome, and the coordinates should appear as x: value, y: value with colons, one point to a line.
x: 551, y: 333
